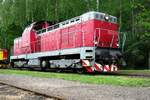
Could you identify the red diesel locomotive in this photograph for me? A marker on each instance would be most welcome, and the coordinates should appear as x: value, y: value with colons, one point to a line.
x: 88, y: 42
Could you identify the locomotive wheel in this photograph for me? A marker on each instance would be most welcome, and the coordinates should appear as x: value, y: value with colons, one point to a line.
x: 59, y: 70
x: 44, y: 64
x: 80, y: 70
x: 12, y: 65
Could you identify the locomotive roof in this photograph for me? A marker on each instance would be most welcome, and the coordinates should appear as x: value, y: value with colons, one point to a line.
x: 92, y: 12
x: 84, y: 17
x: 89, y: 15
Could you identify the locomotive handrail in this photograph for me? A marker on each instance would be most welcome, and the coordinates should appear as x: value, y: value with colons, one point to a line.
x: 99, y: 32
x: 112, y: 39
x: 55, y: 26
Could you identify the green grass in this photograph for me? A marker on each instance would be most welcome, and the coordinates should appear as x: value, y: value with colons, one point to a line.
x: 147, y: 72
x: 92, y: 79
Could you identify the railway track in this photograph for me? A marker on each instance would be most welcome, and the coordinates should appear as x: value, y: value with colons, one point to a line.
x: 8, y: 92
x: 118, y: 73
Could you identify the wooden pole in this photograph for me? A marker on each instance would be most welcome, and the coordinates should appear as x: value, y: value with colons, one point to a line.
x: 149, y: 61
x: 97, y: 5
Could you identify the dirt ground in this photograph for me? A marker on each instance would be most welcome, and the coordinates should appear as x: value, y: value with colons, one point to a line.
x: 70, y: 90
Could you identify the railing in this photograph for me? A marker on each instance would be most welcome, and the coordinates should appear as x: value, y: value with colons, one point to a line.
x: 97, y: 40
x: 55, y: 26
x: 121, y: 38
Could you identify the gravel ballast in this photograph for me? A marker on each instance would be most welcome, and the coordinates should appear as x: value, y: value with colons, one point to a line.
x: 11, y: 93
x: 70, y: 90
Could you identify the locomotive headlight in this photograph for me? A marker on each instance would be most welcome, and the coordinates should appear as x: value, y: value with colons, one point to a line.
x: 106, y: 17
x: 117, y: 44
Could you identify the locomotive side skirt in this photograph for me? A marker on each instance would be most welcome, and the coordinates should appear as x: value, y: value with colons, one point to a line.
x: 83, y: 51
